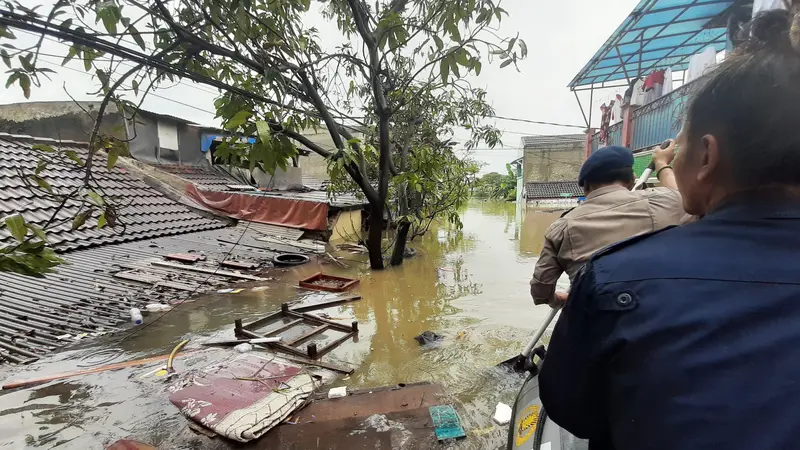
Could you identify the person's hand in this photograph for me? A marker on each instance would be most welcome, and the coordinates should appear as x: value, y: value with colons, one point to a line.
x: 561, y: 297
x: 663, y: 157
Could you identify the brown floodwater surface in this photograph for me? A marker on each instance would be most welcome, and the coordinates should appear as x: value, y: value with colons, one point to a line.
x: 469, y: 285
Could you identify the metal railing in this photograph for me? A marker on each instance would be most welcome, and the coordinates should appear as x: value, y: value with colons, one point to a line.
x: 614, y: 137
x: 659, y: 120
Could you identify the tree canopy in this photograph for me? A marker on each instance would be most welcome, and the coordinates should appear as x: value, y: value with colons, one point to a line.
x: 389, y: 91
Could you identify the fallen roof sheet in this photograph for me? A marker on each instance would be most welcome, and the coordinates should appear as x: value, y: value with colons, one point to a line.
x: 658, y: 34
x: 203, y: 177
x: 145, y: 212
x: 553, y: 189
x: 88, y: 295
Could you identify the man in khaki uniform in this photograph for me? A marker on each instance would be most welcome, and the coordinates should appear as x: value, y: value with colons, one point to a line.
x: 611, y: 213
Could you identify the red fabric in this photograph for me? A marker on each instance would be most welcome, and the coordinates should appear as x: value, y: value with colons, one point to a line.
x: 263, y: 209
x: 653, y: 79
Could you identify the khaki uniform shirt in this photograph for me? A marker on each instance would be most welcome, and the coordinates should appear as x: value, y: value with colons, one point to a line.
x: 609, y: 215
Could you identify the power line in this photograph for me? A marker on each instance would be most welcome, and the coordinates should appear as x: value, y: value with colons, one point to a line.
x: 515, y: 119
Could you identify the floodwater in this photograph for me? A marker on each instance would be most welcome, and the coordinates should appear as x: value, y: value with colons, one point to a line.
x: 470, y: 285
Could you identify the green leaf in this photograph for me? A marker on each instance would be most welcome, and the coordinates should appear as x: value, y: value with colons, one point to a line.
x: 101, y: 221
x: 39, y: 232
x: 444, y: 68
x: 6, y: 33
x: 135, y: 86
x: 113, y: 155
x: 523, y: 48
x: 80, y: 219
x: 506, y: 63
x: 95, y: 198
x: 6, y: 58
x: 438, y: 41
x: 42, y: 183
x: 12, y: 79
x: 137, y: 37
x: 262, y: 127
x: 238, y: 120
x: 482, y: 16
x: 73, y: 155
x: 16, y: 225
x: 40, y: 166
x: 477, y: 67
x: 511, y: 44
x: 66, y: 24
x: 109, y: 20
x: 25, y: 62
x: 25, y: 84
x: 43, y: 148
x: 73, y: 51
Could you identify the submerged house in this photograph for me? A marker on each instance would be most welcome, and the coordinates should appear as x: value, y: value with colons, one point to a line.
x: 175, y: 156
x: 652, y: 62
x: 547, y: 170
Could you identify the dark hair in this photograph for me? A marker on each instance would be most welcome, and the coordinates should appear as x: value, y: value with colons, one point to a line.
x: 751, y: 104
x: 622, y: 175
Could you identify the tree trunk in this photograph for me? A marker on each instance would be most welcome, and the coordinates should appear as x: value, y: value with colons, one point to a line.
x: 374, y: 237
x: 400, y: 243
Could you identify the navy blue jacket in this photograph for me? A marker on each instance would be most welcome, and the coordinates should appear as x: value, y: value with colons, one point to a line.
x: 688, y: 338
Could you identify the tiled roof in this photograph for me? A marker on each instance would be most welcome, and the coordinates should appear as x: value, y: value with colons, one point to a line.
x: 145, y: 212
x: 203, y: 177
x: 553, y: 189
x: 557, y: 140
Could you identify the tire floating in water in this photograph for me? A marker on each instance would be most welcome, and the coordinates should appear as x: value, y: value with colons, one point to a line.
x: 290, y: 259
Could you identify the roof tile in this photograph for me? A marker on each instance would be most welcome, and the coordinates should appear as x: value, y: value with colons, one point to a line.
x: 144, y: 211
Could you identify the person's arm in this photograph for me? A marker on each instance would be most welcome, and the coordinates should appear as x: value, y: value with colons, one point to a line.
x: 548, y: 269
x: 662, y: 158
x: 571, y: 379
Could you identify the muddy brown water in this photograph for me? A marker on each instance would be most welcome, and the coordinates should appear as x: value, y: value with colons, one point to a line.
x: 470, y: 285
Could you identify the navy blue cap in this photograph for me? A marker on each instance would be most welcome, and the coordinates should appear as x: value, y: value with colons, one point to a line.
x: 605, y: 159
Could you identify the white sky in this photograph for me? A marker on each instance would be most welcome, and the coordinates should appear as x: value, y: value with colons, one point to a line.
x: 561, y: 37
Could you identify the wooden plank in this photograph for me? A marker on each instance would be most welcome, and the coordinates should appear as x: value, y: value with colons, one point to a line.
x: 241, y: 265
x: 219, y: 273
x: 321, y: 352
x: 366, y: 402
x: 178, y: 286
x: 333, y: 324
x: 272, y: 345
x: 326, y: 304
x: 264, y: 320
x: 139, y: 277
x: 308, y: 335
x: 185, y: 257
x: 314, y: 248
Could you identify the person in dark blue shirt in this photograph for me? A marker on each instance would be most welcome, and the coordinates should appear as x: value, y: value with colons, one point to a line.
x: 689, y: 338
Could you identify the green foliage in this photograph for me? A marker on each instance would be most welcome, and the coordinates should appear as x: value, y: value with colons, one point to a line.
x: 389, y: 95
x: 29, y: 255
x: 495, y: 186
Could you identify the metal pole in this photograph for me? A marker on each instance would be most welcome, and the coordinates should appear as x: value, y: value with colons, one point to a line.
x: 581, y: 107
x: 591, y: 104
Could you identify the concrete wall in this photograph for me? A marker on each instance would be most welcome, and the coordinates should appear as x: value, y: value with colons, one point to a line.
x: 59, y: 120
x: 347, y: 226
x: 553, y: 163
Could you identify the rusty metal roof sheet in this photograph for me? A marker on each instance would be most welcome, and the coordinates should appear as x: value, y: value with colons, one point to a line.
x: 145, y: 212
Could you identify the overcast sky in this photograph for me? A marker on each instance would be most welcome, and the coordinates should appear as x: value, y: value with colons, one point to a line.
x: 561, y: 37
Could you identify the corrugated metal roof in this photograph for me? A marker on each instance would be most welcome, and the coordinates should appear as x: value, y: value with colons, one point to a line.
x: 84, y: 296
x: 145, y: 212
x: 657, y: 34
x: 203, y: 177
x: 557, y: 140
x: 553, y: 189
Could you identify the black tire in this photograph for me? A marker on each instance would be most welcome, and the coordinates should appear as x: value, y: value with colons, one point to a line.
x: 289, y: 259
